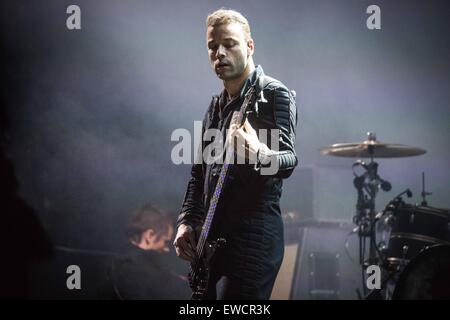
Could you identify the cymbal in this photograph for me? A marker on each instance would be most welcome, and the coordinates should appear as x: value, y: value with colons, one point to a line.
x: 371, y: 148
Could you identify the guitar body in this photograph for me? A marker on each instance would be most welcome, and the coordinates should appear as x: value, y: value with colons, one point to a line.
x: 199, y: 279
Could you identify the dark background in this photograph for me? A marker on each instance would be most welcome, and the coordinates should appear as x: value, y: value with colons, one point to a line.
x: 87, y: 115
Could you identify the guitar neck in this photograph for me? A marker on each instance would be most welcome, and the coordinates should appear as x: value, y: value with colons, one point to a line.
x: 213, y: 204
x: 212, y: 207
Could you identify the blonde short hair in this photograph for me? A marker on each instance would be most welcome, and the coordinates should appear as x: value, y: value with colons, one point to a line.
x: 226, y: 16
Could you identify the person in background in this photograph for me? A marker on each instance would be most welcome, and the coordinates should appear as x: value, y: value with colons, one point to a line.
x: 149, y: 269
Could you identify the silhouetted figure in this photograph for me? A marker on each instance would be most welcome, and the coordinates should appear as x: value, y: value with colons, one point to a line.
x: 22, y: 237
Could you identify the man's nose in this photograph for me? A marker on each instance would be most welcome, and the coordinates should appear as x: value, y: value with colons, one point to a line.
x: 220, y: 53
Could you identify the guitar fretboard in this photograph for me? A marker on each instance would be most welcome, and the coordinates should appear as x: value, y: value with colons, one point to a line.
x: 222, y: 178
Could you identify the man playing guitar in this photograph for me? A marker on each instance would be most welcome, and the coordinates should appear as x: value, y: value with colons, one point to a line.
x: 243, y: 200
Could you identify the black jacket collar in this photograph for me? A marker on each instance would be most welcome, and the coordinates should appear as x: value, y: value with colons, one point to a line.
x: 251, y: 79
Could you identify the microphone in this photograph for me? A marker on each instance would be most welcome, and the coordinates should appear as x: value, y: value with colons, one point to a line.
x: 408, y: 194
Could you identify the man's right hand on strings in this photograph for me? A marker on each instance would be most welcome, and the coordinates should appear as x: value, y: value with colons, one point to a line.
x: 185, y: 242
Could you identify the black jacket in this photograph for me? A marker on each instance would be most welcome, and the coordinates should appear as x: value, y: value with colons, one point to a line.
x: 147, y: 275
x: 246, y: 187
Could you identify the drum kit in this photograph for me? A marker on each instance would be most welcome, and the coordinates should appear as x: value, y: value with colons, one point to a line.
x: 409, y: 242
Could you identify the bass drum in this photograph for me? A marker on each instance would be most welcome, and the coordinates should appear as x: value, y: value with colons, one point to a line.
x: 426, y: 277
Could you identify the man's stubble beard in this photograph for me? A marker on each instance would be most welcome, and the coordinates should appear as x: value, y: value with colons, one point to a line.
x: 234, y: 74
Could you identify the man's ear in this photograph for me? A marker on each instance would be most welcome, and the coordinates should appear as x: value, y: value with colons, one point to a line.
x: 148, y: 235
x: 250, y: 47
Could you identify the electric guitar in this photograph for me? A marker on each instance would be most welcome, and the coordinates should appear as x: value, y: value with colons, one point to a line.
x: 200, y: 268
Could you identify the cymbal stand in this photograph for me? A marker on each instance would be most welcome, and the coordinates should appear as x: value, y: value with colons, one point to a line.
x: 367, y: 186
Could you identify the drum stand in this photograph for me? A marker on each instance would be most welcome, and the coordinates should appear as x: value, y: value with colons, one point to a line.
x: 367, y: 186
